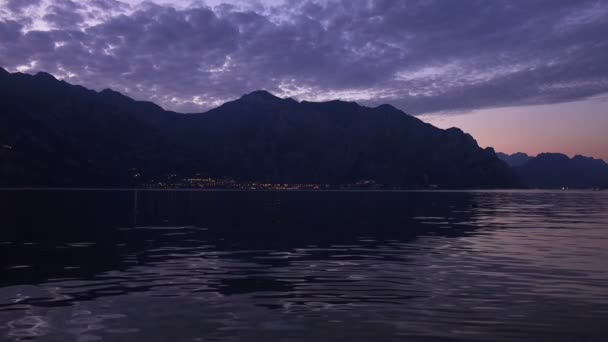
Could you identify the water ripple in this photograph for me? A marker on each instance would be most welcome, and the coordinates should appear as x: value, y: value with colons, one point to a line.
x: 501, y: 266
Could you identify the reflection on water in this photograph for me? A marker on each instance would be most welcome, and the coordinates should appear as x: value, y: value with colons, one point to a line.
x: 301, y: 266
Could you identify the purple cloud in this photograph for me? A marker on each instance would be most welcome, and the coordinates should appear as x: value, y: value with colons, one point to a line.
x: 423, y: 56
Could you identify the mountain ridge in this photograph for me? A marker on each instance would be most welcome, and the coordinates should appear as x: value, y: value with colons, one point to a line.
x: 557, y: 170
x: 515, y: 159
x: 63, y: 134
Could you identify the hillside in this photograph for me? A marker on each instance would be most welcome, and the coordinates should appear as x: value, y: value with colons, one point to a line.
x: 56, y: 134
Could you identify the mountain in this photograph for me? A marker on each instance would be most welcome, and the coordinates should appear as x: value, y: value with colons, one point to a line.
x: 514, y: 160
x: 555, y: 170
x: 53, y: 133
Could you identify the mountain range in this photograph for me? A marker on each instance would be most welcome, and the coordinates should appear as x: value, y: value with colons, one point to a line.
x: 556, y: 170
x: 53, y: 133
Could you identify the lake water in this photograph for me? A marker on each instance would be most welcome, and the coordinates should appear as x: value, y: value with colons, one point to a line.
x: 303, y: 266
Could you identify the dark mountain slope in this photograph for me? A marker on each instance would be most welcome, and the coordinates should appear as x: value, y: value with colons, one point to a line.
x: 554, y: 170
x: 267, y: 138
x: 514, y: 160
x: 68, y: 135
x: 54, y: 133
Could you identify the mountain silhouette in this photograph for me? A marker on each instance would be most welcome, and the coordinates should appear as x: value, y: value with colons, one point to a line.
x: 556, y: 170
x: 514, y: 160
x: 53, y: 133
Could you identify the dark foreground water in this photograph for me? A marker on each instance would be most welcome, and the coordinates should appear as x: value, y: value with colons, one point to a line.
x: 303, y: 266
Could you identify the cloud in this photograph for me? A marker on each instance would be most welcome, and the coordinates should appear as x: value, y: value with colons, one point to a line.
x: 421, y: 55
x: 64, y: 14
x: 20, y: 5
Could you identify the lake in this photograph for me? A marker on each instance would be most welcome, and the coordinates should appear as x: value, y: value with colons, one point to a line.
x: 93, y: 265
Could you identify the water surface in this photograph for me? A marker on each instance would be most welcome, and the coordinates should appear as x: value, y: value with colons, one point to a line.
x: 303, y: 266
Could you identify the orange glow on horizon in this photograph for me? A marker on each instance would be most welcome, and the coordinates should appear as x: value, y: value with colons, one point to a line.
x: 570, y: 128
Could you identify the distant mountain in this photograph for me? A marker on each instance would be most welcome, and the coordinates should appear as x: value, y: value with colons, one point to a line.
x: 54, y: 133
x: 516, y: 159
x: 554, y: 170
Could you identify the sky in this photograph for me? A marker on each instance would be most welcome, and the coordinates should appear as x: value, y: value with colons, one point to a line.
x: 526, y: 76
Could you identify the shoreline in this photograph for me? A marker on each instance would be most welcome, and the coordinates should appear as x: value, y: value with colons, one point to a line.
x: 288, y: 190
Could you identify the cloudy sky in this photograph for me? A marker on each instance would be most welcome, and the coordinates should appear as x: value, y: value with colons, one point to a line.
x: 519, y: 75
